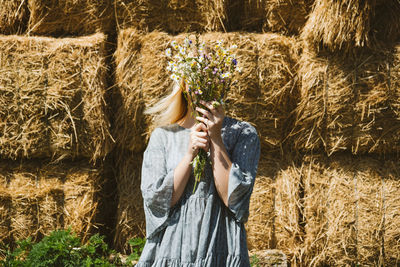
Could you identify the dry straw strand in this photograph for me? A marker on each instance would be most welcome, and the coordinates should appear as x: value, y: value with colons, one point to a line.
x: 330, y: 210
x: 370, y: 211
x: 279, y: 88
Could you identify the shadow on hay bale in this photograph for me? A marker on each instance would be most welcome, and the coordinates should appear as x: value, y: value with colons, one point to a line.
x: 264, y: 94
x: 14, y: 16
x: 349, y: 103
x: 37, y: 198
x: 287, y: 17
x: 52, y: 98
x: 130, y: 212
x: 345, y: 25
x: 70, y: 17
x: 171, y: 16
x: 276, y: 211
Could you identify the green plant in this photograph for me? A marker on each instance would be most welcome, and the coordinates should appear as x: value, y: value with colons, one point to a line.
x: 254, y: 261
x: 16, y: 257
x: 137, y: 245
x: 61, y: 248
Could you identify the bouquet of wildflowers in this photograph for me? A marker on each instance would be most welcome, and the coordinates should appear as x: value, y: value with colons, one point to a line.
x: 207, y: 71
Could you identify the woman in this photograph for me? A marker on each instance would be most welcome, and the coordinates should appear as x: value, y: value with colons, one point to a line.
x: 205, y: 227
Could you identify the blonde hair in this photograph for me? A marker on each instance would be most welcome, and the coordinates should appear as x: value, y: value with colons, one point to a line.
x: 170, y: 109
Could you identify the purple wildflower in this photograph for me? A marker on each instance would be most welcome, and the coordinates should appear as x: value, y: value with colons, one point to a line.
x: 234, y: 61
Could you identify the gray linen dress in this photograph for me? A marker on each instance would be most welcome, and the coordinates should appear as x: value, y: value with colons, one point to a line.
x: 199, y: 230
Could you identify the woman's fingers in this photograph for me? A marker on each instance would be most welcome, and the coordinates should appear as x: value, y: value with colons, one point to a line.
x: 208, y: 105
x: 206, y: 113
x: 204, y: 120
x: 199, y: 138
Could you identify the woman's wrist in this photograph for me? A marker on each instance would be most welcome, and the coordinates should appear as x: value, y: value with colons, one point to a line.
x: 217, y: 141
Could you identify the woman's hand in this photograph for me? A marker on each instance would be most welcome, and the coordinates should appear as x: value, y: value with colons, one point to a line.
x: 198, y: 140
x: 212, y: 119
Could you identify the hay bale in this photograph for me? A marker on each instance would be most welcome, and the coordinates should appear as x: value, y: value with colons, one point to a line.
x: 289, y: 230
x: 279, y: 88
x: 370, y: 212
x: 13, y: 16
x: 330, y: 211
x: 270, y: 257
x: 142, y: 80
x: 286, y: 16
x: 70, y: 17
x: 344, y: 25
x: 130, y: 213
x: 344, y: 211
x: 242, y: 96
x: 45, y: 197
x: 391, y: 189
x: 246, y: 15
x: 24, y: 217
x: 260, y: 226
x: 81, y: 187
x: 52, y: 98
x: 5, y: 216
x: 171, y: 16
x: 267, y: 60
x: 51, y: 215
x: 349, y: 103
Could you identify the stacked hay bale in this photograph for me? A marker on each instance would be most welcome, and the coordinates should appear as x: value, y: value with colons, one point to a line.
x: 348, y: 126
x: 44, y: 197
x: 69, y: 17
x: 283, y: 16
x: 52, y: 98
x: 171, y: 16
x: 52, y: 111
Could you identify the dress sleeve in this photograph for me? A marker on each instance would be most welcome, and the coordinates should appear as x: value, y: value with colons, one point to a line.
x: 156, y: 184
x: 245, y: 156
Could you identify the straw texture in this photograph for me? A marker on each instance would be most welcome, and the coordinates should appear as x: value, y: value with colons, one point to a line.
x: 39, y: 197
x: 13, y: 16
x: 289, y: 229
x: 130, y: 213
x: 171, y: 16
x: 349, y: 103
x: 52, y: 98
x: 260, y: 225
x: 345, y: 25
x: 70, y: 17
x: 286, y: 16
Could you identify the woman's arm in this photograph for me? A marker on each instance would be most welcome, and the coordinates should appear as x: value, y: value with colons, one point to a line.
x: 221, y: 163
x: 198, y: 140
